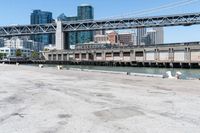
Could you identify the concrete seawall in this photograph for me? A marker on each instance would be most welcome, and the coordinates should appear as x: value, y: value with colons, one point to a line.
x: 118, y: 72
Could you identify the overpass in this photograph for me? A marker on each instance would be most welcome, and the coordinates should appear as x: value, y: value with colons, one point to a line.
x: 59, y: 28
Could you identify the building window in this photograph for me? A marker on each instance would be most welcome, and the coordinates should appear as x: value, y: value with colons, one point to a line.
x: 139, y: 54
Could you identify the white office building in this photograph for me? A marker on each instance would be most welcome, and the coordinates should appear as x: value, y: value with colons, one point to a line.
x: 11, y: 52
x: 23, y: 43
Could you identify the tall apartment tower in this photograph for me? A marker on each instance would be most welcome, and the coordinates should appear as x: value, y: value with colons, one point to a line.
x: 41, y: 17
x: 141, y: 32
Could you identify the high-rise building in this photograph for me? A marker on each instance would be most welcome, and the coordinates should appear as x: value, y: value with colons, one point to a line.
x: 141, y: 32
x: 62, y: 17
x: 155, y: 36
x: 42, y: 17
x: 159, y: 38
x: 146, y: 40
x: 71, y: 37
x: 151, y: 37
x: 85, y: 12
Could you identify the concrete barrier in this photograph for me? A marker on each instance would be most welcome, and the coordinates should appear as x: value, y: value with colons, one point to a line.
x: 146, y: 75
x: 41, y: 66
x: 59, y: 67
x: 101, y: 71
x: 117, y: 72
x: 75, y: 69
x: 168, y: 75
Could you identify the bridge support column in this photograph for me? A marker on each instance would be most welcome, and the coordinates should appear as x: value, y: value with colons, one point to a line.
x: 59, y: 36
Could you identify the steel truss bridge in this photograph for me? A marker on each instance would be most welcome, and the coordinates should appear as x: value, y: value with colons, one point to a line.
x: 110, y: 24
x: 129, y: 23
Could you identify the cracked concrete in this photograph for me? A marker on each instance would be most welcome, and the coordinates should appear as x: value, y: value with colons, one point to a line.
x: 47, y: 100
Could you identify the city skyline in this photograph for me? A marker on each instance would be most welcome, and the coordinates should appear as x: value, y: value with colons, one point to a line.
x: 180, y: 34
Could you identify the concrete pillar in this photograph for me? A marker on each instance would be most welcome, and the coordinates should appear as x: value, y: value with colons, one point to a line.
x: 59, y: 36
x: 187, y: 54
x: 157, y: 58
x: 112, y: 54
x: 172, y: 55
x: 95, y: 56
x: 51, y: 56
x: 80, y: 56
x: 62, y: 56
x: 68, y: 56
x: 103, y: 55
x: 132, y: 55
x: 57, y: 56
x: 74, y: 57
x: 87, y: 56
x: 158, y: 55
x: 121, y: 56
x: 144, y: 54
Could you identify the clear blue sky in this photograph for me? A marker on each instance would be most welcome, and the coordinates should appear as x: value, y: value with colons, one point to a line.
x: 18, y: 12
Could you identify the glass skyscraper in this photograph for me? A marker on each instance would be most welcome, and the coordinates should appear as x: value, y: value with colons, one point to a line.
x: 84, y: 12
x: 42, y: 17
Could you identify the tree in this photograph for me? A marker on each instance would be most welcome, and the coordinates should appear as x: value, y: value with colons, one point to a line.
x: 46, y: 49
x: 35, y: 55
x: 24, y: 56
x: 18, y: 53
x: 2, y: 55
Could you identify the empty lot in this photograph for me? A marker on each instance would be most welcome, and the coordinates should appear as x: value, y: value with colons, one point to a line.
x: 34, y: 100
